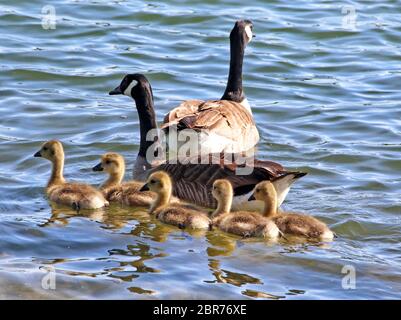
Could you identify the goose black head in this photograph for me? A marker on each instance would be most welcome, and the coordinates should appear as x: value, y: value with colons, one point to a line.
x: 132, y: 85
x: 244, y: 30
x: 139, y: 89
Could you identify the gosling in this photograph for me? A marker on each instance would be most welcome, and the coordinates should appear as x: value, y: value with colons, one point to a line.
x: 178, y: 215
x: 290, y: 223
x: 241, y: 223
x: 124, y: 193
x: 76, y: 195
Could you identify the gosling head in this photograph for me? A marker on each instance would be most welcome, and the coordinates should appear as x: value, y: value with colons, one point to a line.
x: 51, y: 150
x: 244, y: 30
x: 132, y: 85
x: 222, y: 190
x: 264, y: 191
x: 158, y: 182
x: 112, y: 163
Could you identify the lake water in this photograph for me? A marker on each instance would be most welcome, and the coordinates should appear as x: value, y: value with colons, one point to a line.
x: 323, y: 79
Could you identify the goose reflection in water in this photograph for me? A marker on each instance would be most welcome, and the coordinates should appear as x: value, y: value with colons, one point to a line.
x: 230, y: 277
x: 60, y: 215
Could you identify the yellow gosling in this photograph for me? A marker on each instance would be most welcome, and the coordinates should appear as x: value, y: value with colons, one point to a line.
x: 241, y: 223
x: 114, y: 190
x: 290, y: 223
x: 178, y: 215
x: 76, y: 195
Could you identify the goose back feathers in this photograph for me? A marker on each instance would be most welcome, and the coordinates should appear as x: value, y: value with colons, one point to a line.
x: 193, y: 182
x: 221, y: 125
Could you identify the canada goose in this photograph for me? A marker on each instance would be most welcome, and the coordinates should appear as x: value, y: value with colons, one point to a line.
x: 222, y: 125
x: 241, y: 223
x: 290, y: 223
x: 174, y: 214
x: 193, y: 181
x: 216, y: 126
x: 125, y: 193
x: 77, y: 195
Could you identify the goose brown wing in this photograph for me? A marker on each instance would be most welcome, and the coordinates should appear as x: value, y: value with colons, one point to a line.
x: 224, y: 118
x: 193, y: 182
x: 186, y: 108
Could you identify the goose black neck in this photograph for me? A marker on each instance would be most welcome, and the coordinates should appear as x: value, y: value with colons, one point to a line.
x: 233, y: 90
x: 143, y: 97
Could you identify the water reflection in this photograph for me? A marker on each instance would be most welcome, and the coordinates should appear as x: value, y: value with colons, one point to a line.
x: 138, y: 290
x: 261, y: 295
x: 140, y: 252
x: 140, y: 256
x: 60, y: 215
x: 230, y: 277
x: 220, y: 243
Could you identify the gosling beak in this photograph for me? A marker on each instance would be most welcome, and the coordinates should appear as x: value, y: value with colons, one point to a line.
x: 251, y: 198
x: 115, y: 91
x: 98, y: 167
x: 37, y: 154
x: 144, y: 187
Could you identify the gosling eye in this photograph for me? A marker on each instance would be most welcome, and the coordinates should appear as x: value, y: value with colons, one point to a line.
x: 44, y: 148
x: 152, y: 181
x: 108, y: 162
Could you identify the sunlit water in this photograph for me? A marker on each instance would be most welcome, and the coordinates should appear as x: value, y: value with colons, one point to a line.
x: 326, y: 98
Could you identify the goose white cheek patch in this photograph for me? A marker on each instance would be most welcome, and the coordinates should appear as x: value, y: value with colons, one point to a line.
x: 249, y: 33
x: 127, y: 91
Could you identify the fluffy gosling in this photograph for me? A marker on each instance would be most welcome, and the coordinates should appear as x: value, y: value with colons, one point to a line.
x: 114, y: 190
x: 290, y: 223
x: 175, y: 214
x: 241, y: 223
x: 76, y: 195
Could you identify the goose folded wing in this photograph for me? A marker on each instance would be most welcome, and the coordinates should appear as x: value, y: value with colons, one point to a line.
x: 193, y: 182
x: 225, y: 118
x: 186, y: 108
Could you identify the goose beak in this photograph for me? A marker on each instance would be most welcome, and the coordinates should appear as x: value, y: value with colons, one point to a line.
x: 298, y: 175
x: 98, y: 167
x: 115, y: 91
x: 144, y: 187
x: 252, y: 198
x: 37, y: 154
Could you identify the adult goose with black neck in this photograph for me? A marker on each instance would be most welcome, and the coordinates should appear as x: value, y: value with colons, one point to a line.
x: 224, y: 125
x: 138, y: 87
x: 193, y: 182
